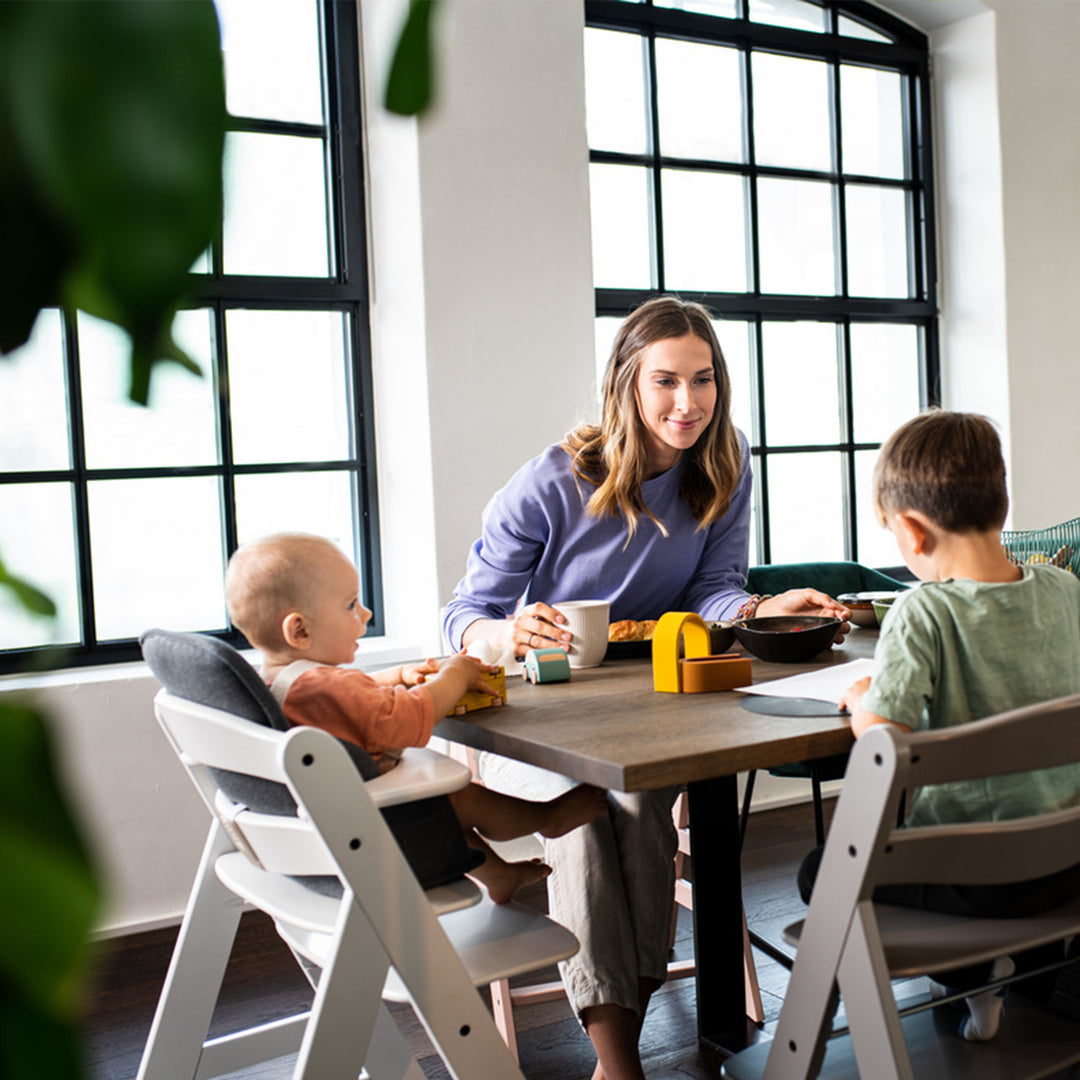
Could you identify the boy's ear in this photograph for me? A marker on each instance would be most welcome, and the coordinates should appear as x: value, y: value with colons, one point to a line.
x: 294, y: 629
x: 919, y: 531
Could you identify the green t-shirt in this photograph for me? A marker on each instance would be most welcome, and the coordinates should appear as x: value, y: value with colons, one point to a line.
x: 955, y: 651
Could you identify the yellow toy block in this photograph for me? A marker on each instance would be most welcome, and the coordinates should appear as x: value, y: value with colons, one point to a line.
x: 700, y: 672
x: 473, y: 699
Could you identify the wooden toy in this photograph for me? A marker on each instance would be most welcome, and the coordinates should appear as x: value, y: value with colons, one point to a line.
x: 698, y: 672
x: 472, y: 700
x: 546, y: 665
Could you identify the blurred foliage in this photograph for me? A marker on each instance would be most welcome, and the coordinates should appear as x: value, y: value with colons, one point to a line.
x: 47, y: 906
x: 112, y: 131
x: 410, y: 84
x: 112, y: 128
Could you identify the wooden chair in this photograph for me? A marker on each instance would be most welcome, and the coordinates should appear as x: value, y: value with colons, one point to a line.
x: 852, y: 946
x: 334, y: 877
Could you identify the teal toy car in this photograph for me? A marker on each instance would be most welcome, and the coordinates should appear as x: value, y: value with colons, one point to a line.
x: 546, y: 665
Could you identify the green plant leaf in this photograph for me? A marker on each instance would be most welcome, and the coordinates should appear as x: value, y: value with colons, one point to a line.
x: 34, y: 1043
x: 116, y: 115
x: 410, y: 84
x: 31, y: 597
x: 50, y: 894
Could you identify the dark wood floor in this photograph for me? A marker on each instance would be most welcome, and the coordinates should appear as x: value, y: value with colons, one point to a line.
x: 264, y: 982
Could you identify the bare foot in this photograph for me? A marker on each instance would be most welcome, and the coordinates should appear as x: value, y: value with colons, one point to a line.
x: 504, y: 880
x: 576, y: 807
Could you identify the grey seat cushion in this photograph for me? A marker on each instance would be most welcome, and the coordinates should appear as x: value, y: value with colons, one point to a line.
x: 210, y: 672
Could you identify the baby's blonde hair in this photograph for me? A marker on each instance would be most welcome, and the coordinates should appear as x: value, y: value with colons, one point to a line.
x: 267, y: 579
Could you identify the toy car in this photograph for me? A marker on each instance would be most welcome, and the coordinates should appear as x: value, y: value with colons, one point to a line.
x: 546, y: 665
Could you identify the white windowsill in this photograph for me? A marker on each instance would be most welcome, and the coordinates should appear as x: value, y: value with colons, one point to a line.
x: 378, y: 652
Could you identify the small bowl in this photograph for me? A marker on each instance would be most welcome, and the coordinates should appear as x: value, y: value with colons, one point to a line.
x: 863, y: 606
x: 786, y: 638
x: 721, y: 637
x: 881, y: 609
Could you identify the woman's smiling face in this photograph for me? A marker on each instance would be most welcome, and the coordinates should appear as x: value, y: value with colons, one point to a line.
x: 676, y: 397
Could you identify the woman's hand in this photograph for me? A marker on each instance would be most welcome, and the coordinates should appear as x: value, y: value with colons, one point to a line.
x: 807, y: 602
x: 538, y: 626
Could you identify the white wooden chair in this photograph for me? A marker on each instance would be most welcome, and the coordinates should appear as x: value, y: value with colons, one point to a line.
x: 365, y: 932
x: 851, y: 945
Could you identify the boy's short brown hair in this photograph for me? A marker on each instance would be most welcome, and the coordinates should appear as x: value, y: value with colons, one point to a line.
x: 948, y: 466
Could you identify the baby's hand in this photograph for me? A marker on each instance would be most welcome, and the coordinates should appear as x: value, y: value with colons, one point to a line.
x: 415, y: 674
x: 474, y: 672
x: 854, y: 693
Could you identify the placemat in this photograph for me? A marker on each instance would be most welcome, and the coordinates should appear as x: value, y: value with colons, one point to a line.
x: 788, y: 706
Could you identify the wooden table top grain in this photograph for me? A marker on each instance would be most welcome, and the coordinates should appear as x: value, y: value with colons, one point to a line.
x: 608, y: 727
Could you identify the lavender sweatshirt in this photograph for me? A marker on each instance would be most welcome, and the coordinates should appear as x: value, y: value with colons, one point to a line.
x: 539, y: 543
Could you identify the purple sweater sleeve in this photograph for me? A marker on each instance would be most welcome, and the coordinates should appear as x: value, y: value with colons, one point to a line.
x: 539, y: 543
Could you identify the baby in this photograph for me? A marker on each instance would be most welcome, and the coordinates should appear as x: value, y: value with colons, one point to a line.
x: 295, y: 597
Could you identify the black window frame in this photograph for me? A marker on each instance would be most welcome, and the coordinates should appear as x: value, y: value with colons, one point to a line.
x: 345, y: 290
x: 908, y: 53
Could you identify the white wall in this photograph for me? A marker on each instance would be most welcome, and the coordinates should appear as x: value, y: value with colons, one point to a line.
x: 482, y: 329
x: 1007, y: 93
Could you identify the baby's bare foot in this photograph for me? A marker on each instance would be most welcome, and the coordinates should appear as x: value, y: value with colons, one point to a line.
x: 576, y: 807
x: 504, y: 880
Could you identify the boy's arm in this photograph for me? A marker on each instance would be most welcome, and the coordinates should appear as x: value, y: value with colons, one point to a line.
x: 863, y: 719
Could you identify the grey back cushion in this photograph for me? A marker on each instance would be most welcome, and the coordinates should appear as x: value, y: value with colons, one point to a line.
x: 210, y: 672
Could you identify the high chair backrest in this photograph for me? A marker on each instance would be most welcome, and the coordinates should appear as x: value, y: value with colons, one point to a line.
x: 852, y: 944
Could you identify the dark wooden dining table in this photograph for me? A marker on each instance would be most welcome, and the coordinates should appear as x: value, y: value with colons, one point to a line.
x: 607, y: 726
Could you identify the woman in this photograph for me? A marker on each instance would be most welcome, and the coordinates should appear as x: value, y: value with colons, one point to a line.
x: 651, y: 511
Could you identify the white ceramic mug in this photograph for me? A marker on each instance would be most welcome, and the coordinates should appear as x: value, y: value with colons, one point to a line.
x: 587, y: 620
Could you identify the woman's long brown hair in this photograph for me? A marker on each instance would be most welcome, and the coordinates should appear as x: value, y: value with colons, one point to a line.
x: 613, y: 456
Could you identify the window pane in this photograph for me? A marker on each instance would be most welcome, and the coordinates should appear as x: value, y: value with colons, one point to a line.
x: 791, y: 112
x: 872, y: 115
x: 615, y: 107
x: 850, y: 28
x: 605, y: 329
x: 704, y: 231
x: 877, y: 245
x: 802, y: 400
x: 806, y: 507
x: 33, y: 417
x: 315, y: 502
x: 734, y: 338
x: 727, y: 9
x: 287, y: 385
x: 272, y: 68
x: 876, y: 544
x: 797, y: 14
x: 157, y: 547
x: 795, y: 237
x: 699, y: 93
x: 276, y: 220
x: 620, y: 227
x: 37, y: 543
x: 178, y: 428
x: 884, y: 378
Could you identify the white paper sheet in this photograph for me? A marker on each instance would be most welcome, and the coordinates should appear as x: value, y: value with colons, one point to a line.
x: 825, y: 684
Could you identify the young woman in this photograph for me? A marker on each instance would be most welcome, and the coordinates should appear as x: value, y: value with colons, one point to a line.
x: 650, y: 510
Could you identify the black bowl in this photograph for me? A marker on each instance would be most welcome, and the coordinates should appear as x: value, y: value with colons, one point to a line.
x: 786, y: 638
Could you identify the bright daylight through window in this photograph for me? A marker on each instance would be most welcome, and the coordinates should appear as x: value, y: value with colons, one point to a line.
x: 125, y: 516
x: 771, y: 159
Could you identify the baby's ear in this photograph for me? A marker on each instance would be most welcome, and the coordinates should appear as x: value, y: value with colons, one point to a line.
x: 294, y: 629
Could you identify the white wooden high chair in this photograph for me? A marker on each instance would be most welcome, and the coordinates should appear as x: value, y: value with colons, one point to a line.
x: 321, y: 859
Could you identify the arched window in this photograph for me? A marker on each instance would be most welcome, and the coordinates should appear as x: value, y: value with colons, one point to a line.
x: 771, y: 159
